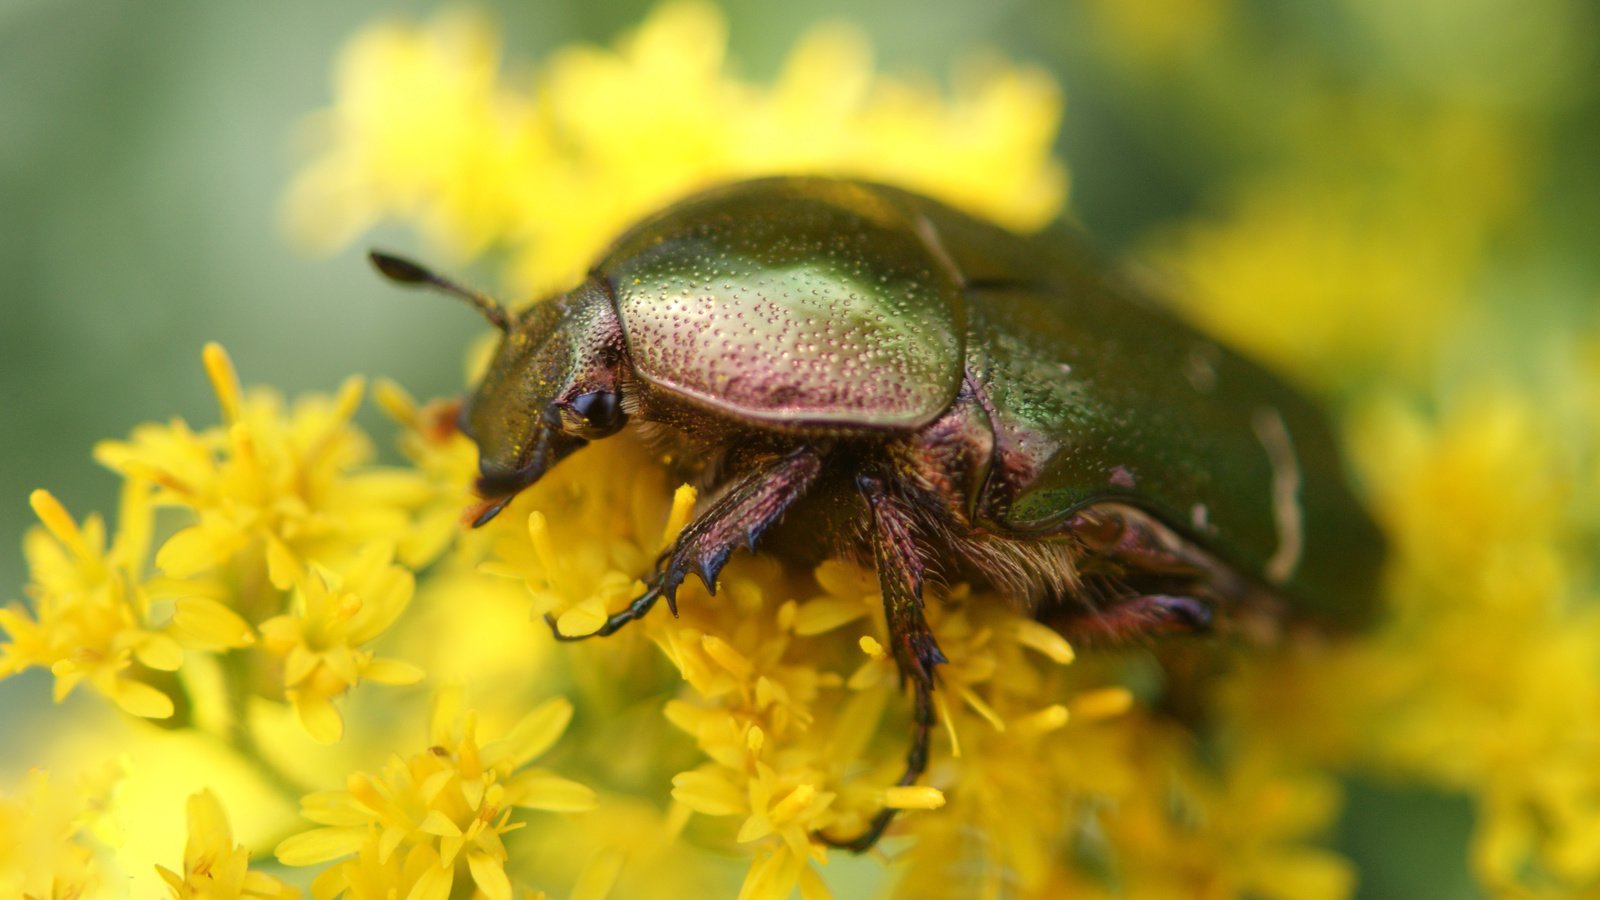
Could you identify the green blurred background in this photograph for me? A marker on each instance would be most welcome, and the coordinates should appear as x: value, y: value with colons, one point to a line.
x: 144, y: 150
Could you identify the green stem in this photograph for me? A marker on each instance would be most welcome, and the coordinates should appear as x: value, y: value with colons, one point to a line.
x: 241, y: 737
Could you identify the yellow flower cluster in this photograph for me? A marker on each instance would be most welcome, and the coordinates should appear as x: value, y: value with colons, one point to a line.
x: 793, y: 706
x: 285, y: 551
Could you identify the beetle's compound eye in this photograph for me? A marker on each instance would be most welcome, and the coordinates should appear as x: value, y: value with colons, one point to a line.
x: 594, y: 415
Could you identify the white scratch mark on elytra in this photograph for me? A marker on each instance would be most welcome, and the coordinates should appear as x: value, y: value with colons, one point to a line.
x: 1287, y: 514
x: 929, y: 235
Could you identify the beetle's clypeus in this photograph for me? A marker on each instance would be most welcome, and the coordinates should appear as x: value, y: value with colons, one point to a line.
x: 931, y: 392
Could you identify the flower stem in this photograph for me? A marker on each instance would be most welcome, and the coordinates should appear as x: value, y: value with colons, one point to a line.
x: 241, y: 736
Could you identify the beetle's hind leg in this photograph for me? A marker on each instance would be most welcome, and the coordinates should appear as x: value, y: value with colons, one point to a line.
x: 900, y: 572
x: 750, y: 505
x: 1138, y: 579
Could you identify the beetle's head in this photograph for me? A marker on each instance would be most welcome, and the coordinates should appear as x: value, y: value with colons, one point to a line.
x: 552, y: 386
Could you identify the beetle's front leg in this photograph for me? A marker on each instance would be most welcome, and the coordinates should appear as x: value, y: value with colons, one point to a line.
x: 900, y: 570
x: 750, y: 505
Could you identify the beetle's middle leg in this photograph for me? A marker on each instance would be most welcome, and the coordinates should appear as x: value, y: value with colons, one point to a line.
x: 754, y: 501
x: 900, y: 572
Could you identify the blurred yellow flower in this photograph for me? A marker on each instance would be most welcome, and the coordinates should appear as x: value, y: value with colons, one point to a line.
x: 42, y: 854
x: 554, y: 166
x: 214, y: 868
x: 1301, y: 264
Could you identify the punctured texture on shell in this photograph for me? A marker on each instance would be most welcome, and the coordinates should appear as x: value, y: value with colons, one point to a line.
x: 797, y: 302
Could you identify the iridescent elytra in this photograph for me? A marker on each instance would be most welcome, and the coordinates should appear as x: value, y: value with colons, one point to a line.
x: 851, y: 369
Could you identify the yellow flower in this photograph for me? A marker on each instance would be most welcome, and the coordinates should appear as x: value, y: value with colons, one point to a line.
x: 320, y: 639
x: 41, y: 852
x: 214, y: 868
x: 91, y: 617
x: 447, y: 463
x: 449, y: 806
x: 1302, y: 263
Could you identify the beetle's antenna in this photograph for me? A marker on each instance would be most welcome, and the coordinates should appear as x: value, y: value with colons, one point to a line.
x: 404, y: 271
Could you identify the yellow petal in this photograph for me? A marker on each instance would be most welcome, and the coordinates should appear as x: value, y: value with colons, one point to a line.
x: 320, y: 845
x: 1101, y: 703
x: 812, y: 887
x: 204, y: 621
x: 754, y: 828
x: 1044, y: 639
x: 543, y: 549
x: 392, y: 671
x: 196, y: 549
x: 599, y: 876
x: 726, y: 656
x: 389, y: 841
x: 333, y: 808
x: 824, y: 614
x: 348, y: 400
x: 344, y: 664
x: 299, y: 664
x: 224, y: 380
x: 449, y: 847
x: 159, y: 652
x: 584, y: 618
x: 1048, y: 719
x: 58, y: 521
x: 708, y: 793
x: 395, y: 401
x: 140, y: 699
x: 283, y: 569
x: 446, y: 710
x: 682, y: 507
x: 490, y: 875
x: 771, y: 877
x: 540, y: 790
x: 173, y: 880
x: 793, y: 803
x: 319, y: 717
x: 208, y: 824
x: 539, y: 729
x: 437, y: 823
x: 434, y: 884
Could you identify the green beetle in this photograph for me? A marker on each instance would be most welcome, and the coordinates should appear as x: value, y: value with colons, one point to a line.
x: 859, y: 369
